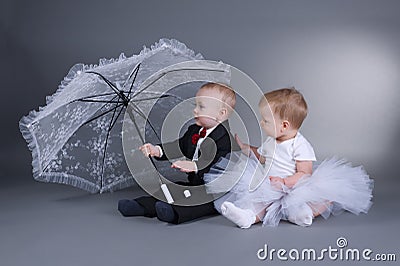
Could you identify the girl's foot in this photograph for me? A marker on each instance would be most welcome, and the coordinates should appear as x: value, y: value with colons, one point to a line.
x: 242, y: 218
x: 301, y: 215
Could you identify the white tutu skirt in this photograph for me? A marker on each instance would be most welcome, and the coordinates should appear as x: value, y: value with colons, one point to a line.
x: 333, y: 187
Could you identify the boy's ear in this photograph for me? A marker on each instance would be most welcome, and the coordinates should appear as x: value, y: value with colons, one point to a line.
x: 285, y: 124
x: 223, y: 113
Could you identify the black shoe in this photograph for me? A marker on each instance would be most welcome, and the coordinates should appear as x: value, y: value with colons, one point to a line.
x: 130, y: 208
x: 165, y: 212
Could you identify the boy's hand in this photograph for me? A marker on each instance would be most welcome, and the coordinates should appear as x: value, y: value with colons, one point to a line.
x: 185, y: 166
x: 244, y: 147
x: 150, y: 150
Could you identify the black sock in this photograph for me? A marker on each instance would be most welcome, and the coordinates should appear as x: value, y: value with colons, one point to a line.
x: 130, y: 208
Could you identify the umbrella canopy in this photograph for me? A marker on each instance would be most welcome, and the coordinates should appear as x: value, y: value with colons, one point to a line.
x: 76, y: 138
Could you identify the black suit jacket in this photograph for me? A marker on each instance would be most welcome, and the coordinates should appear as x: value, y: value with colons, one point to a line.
x: 217, y: 144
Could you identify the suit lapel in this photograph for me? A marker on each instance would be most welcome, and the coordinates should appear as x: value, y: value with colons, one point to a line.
x: 220, y: 131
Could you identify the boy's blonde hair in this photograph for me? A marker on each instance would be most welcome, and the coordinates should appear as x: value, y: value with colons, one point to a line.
x: 288, y: 103
x: 228, y: 94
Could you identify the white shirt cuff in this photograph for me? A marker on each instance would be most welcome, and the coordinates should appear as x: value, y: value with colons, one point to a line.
x: 195, y: 167
x: 160, y: 150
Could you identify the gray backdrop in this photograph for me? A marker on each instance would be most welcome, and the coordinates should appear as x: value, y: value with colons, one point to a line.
x: 343, y: 55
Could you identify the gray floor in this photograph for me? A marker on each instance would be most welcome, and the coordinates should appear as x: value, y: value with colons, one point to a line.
x: 50, y: 224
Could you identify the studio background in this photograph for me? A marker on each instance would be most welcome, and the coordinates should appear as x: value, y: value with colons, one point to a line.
x: 344, y: 56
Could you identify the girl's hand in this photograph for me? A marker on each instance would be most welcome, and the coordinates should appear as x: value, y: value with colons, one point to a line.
x: 277, y: 182
x: 185, y: 166
x: 149, y: 150
x: 244, y: 147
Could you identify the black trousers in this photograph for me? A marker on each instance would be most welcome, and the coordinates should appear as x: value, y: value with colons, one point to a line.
x: 184, y: 213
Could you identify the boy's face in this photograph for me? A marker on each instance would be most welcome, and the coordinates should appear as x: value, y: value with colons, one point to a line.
x: 209, y: 108
x: 271, y: 124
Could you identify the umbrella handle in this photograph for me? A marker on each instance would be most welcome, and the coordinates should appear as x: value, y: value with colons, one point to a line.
x: 167, y: 194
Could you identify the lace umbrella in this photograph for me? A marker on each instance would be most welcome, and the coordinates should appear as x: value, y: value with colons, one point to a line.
x: 76, y: 138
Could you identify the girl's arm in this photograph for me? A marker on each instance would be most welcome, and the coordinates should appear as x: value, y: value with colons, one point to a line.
x: 302, y: 168
x: 246, y: 148
x: 259, y: 156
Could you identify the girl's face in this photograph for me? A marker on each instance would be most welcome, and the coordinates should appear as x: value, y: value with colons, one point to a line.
x: 207, y: 112
x: 271, y: 124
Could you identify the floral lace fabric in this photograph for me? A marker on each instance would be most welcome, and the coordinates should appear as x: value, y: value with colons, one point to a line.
x: 68, y: 149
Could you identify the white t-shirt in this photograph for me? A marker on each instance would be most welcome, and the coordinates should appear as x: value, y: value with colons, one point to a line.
x: 282, y: 157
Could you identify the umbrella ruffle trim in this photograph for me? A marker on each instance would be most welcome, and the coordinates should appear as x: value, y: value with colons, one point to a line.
x: 118, y: 185
x: 24, y: 126
x: 62, y: 178
x: 52, y: 177
x: 72, y: 180
x: 77, y: 69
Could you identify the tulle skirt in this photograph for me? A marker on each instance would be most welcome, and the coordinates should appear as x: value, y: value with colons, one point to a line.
x: 333, y: 187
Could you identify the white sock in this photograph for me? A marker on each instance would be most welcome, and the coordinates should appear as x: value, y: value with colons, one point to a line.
x: 242, y: 218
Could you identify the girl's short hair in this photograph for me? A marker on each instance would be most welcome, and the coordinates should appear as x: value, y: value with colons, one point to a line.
x: 288, y: 103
